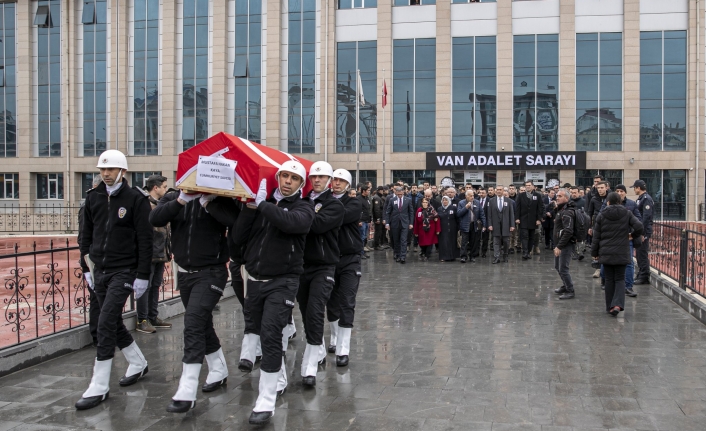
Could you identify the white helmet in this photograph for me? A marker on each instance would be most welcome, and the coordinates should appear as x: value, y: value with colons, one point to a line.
x: 294, y: 167
x: 344, y: 175
x: 321, y: 168
x: 112, y: 159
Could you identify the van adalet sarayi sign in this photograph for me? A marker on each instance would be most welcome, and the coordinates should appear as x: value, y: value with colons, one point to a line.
x: 519, y: 160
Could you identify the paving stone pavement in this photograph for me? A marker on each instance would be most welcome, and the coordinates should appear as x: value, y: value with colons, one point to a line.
x: 436, y: 346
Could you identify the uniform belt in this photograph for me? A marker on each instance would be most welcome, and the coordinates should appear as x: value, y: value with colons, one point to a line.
x: 190, y: 271
x: 251, y: 278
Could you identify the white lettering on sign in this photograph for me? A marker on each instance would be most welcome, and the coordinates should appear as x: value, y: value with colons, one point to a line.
x: 216, y: 173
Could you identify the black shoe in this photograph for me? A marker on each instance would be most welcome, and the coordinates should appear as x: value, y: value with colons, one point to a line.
x: 546, y: 247
x: 511, y: 251
x: 362, y: 256
x: 331, y: 348
x: 463, y: 260
x: 402, y: 261
x: 496, y: 260
x: 259, y: 418
x: 567, y: 295
x: 90, y: 402
x: 180, y: 406
x: 282, y: 392
x: 525, y: 257
x: 127, y: 381
x: 245, y: 366
x: 377, y: 248
x: 631, y: 293
x: 560, y: 290
x: 309, y: 381
x: 483, y: 256
x: 342, y: 361
x: 581, y: 257
x: 397, y: 259
x: 642, y: 281
x: 210, y: 387
x: 602, y: 286
x: 505, y: 258
x: 473, y: 260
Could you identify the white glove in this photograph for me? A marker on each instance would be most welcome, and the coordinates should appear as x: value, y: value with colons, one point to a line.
x: 89, y: 280
x: 261, y: 193
x: 205, y: 199
x: 188, y: 197
x: 139, y: 286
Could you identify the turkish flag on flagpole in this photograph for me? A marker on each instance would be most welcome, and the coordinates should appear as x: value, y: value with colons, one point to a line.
x: 384, y: 94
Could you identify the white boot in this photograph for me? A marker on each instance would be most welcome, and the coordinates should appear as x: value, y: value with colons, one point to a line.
x: 282, y: 380
x: 248, y: 352
x: 310, y: 361
x: 101, y: 379
x: 217, y: 371
x: 258, y: 349
x: 265, y: 405
x: 344, y: 342
x: 290, y: 330
x: 185, y: 397
x: 137, y: 367
x: 322, y: 353
x: 334, y: 334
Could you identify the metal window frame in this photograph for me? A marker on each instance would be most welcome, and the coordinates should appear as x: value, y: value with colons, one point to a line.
x: 88, y: 15
x: 42, y: 17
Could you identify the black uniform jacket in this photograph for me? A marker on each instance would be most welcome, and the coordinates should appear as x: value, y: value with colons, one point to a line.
x: 322, y: 240
x: 274, y: 235
x: 198, y: 238
x: 116, y: 231
x: 349, y: 240
x: 529, y: 210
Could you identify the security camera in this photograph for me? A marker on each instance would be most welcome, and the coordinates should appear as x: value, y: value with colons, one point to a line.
x: 503, y: 148
x: 691, y: 169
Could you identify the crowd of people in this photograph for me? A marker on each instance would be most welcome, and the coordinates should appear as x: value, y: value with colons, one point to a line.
x: 286, y: 248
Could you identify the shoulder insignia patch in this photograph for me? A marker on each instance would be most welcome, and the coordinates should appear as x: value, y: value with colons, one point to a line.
x: 317, y: 207
x: 121, y: 212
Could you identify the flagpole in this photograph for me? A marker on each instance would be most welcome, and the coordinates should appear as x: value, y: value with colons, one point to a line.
x: 357, y: 128
x: 383, y: 132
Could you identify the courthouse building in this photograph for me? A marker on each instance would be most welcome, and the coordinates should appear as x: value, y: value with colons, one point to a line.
x: 603, y: 86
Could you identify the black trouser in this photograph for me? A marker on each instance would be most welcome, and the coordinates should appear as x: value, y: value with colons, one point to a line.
x: 547, y: 236
x: 270, y: 304
x: 112, y: 291
x: 341, y: 306
x: 399, y: 239
x: 236, y: 282
x: 643, y: 260
x: 426, y: 250
x: 147, y: 303
x: 379, y: 238
x: 614, y: 286
x: 474, y: 242
x: 94, y: 312
x: 200, y: 292
x: 466, y: 244
x: 527, y: 238
x: 485, y: 240
x: 315, y: 286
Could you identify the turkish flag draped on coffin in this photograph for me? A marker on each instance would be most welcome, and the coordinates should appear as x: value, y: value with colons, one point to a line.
x: 254, y: 162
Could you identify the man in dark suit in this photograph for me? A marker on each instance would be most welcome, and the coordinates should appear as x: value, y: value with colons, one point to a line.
x: 501, y: 222
x: 529, y: 216
x: 399, y: 217
x: 485, y: 237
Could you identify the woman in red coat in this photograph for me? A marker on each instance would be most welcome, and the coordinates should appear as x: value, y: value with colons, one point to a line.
x: 426, y: 228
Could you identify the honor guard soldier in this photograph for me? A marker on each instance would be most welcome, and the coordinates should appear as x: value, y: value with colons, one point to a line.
x: 200, y: 249
x: 645, y: 205
x: 116, y: 245
x: 277, y: 225
x: 321, y: 254
x: 341, y: 307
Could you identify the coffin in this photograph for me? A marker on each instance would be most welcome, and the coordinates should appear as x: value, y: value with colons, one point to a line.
x: 253, y: 163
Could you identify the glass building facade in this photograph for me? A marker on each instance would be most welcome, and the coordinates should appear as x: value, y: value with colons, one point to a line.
x: 663, y: 90
x: 8, y: 90
x: 146, y: 78
x: 414, y: 95
x: 414, y: 176
x: 599, y: 92
x: 247, y: 69
x: 474, y: 93
x: 301, y: 87
x: 352, y: 56
x: 47, y: 19
x: 668, y: 190
x: 584, y: 177
x: 195, y: 73
x: 535, y: 92
x: 95, y: 110
x: 357, y: 4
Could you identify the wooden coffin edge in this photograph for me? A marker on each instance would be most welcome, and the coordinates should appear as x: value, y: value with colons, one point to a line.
x: 189, y: 186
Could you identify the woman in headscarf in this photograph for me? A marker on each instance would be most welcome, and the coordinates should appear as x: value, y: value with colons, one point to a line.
x: 448, y: 242
x: 426, y: 228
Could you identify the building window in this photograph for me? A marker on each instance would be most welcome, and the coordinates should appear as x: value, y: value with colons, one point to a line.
x: 663, y: 90
x: 146, y: 78
x: 474, y: 94
x: 357, y: 4
x: 139, y: 178
x: 95, y: 113
x: 353, y: 56
x: 87, y: 182
x: 247, y: 69
x: 50, y: 186
x: 8, y: 91
x: 414, y: 176
x: 414, y: 2
x: 367, y: 175
x: 668, y: 190
x: 599, y: 92
x: 414, y: 95
x: 195, y: 73
x: 48, y: 78
x: 474, y: 1
x: 10, y: 184
x: 536, y: 92
x: 584, y: 177
x: 301, y: 92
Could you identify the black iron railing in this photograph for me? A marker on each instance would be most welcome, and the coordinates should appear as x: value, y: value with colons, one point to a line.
x: 45, y: 292
x: 678, y: 250
x: 32, y: 219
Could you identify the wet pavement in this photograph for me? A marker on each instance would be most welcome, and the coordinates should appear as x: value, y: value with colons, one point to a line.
x: 436, y: 346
